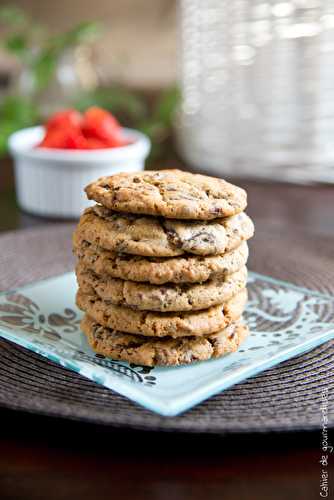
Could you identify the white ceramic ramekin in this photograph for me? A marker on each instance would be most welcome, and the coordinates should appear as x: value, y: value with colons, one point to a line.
x: 50, y: 182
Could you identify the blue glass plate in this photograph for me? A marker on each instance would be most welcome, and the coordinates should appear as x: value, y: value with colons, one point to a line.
x: 285, y: 320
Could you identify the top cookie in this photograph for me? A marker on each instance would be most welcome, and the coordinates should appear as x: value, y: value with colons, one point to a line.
x: 169, y: 193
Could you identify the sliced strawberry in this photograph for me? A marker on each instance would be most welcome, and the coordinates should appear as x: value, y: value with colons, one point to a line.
x: 69, y: 118
x: 76, y: 140
x: 97, y: 129
x: 64, y: 139
x: 116, y: 141
x: 54, y: 139
x: 99, y: 124
x: 93, y: 143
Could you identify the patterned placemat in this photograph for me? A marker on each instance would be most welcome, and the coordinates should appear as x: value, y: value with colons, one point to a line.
x: 288, y: 397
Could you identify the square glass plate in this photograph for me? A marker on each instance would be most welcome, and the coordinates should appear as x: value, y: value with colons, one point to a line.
x: 285, y: 320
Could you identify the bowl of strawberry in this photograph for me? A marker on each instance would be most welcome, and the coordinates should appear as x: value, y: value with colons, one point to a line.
x: 54, y: 162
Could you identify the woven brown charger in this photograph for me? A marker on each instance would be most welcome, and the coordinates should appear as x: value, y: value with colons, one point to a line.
x: 287, y: 397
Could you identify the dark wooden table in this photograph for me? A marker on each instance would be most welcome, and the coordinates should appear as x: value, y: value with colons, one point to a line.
x: 43, y: 458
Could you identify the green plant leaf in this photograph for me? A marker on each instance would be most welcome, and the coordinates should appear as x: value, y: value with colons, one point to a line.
x: 6, y: 129
x: 154, y: 129
x: 18, y: 110
x: 43, y: 68
x: 83, y: 32
x: 167, y: 105
x: 16, y: 44
x: 12, y: 16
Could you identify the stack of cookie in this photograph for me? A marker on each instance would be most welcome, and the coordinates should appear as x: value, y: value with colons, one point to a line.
x: 162, y: 267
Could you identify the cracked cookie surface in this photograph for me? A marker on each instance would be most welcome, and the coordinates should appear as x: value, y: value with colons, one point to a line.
x: 162, y: 352
x: 169, y: 193
x: 167, y: 298
x: 158, y: 237
x: 162, y: 324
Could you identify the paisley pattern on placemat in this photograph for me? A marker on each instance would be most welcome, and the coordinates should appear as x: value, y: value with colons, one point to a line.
x: 23, y: 313
x: 18, y: 311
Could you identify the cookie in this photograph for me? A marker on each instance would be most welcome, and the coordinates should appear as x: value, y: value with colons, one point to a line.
x: 167, y: 298
x: 162, y: 352
x: 153, y: 236
x: 158, y: 271
x: 170, y: 193
x: 162, y: 324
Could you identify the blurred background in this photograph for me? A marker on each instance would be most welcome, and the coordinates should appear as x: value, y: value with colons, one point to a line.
x: 119, y: 55
x: 138, y: 45
x: 241, y: 89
